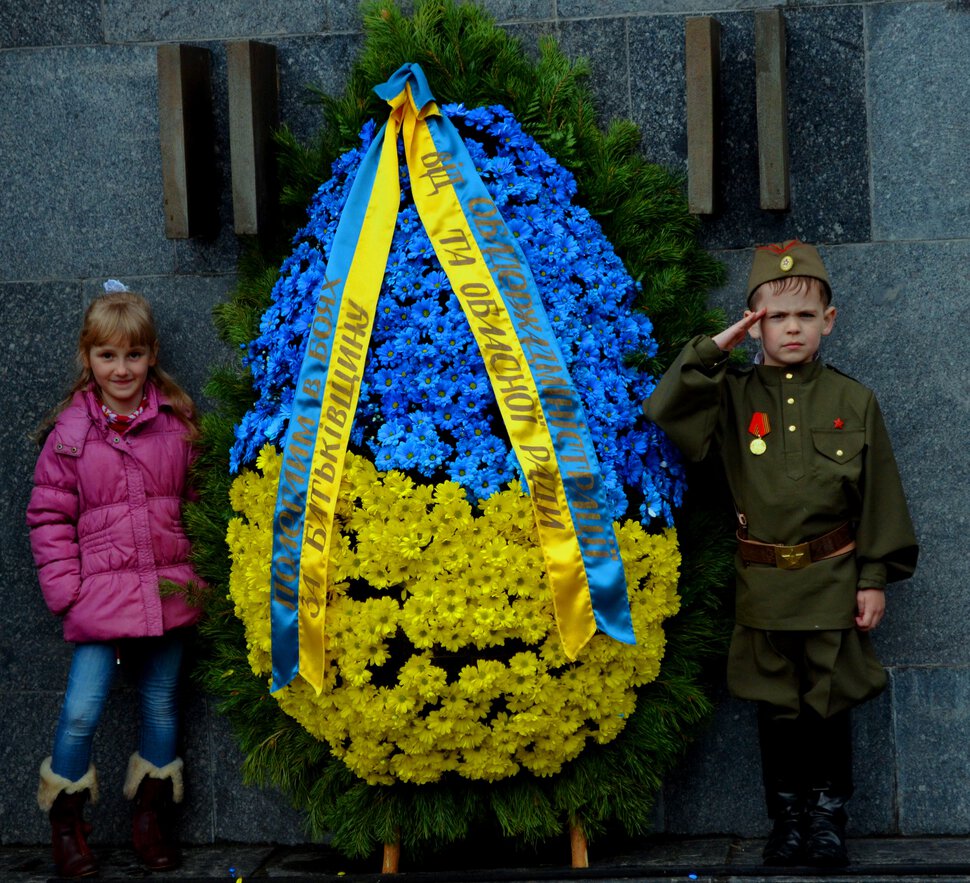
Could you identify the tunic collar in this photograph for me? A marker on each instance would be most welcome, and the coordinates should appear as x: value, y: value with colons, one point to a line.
x: 775, y: 376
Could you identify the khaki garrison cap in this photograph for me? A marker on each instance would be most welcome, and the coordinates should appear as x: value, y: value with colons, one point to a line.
x: 781, y: 259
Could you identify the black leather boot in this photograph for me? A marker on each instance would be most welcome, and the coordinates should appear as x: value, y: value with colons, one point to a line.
x: 787, y: 838
x: 826, y: 830
x: 831, y: 740
x: 782, y: 767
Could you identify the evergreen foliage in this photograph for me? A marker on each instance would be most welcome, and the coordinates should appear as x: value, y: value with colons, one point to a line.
x: 644, y: 213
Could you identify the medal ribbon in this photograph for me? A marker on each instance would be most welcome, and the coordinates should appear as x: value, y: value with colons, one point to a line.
x: 759, y: 424
x: 540, y: 409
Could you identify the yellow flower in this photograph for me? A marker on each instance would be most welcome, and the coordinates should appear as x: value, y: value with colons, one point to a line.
x: 442, y: 651
x: 449, y: 493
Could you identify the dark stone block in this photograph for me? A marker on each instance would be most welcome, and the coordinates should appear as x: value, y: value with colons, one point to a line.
x: 247, y: 813
x: 40, y: 324
x: 603, y: 41
x: 345, y: 15
x: 582, y: 8
x: 529, y: 35
x: 143, y: 20
x: 827, y: 128
x: 931, y: 734
x: 826, y: 118
x: 516, y: 10
x: 33, y: 653
x: 80, y: 185
x: 685, y: 853
x: 50, y: 23
x: 26, y: 733
x: 873, y: 806
x: 917, y: 85
x: 717, y: 787
x: 658, y: 89
x: 321, y: 62
x: 196, y: 822
x: 188, y: 334
x: 31, y: 737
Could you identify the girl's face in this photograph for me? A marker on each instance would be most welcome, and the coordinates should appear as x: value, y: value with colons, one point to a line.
x: 120, y: 371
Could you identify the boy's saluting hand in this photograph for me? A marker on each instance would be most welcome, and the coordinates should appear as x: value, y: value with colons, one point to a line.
x: 729, y: 338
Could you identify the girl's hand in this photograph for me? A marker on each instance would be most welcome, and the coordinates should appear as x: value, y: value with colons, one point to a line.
x: 871, y: 606
x: 729, y: 338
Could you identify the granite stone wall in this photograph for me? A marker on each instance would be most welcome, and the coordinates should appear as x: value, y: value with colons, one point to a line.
x: 878, y: 141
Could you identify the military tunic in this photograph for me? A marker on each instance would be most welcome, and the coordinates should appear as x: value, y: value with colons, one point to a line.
x: 827, y: 460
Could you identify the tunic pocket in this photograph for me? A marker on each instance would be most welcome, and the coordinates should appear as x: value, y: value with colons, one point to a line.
x: 841, y: 454
x: 839, y: 445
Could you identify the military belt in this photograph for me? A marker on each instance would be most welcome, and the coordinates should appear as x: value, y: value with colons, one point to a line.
x: 798, y: 556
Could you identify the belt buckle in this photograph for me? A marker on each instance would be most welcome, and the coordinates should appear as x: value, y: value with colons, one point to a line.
x: 792, y: 557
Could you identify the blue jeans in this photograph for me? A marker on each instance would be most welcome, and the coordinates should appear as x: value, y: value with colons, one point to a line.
x: 92, y: 672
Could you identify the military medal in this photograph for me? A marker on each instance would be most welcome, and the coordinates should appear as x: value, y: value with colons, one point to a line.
x: 759, y: 427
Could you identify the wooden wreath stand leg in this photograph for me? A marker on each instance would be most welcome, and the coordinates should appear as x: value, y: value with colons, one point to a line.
x: 392, y: 854
x: 577, y: 845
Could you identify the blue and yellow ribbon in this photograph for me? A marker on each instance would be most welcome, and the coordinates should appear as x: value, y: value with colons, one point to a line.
x: 539, y: 406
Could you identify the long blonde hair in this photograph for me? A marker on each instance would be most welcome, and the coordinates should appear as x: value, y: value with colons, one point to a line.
x: 116, y: 317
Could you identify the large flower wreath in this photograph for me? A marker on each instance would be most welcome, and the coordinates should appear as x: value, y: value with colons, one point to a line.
x: 442, y: 648
x: 444, y: 664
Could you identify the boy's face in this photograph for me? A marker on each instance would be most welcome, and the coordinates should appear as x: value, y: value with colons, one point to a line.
x: 795, y: 321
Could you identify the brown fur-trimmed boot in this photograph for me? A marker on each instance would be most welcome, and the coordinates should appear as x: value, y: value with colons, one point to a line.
x: 63, y: 801
x: 155, y: 791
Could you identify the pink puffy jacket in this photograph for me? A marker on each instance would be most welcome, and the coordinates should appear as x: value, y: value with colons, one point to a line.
x: 105, y: 521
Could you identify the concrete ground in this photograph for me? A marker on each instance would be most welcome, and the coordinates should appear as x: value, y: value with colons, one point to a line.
x: 688, y: 860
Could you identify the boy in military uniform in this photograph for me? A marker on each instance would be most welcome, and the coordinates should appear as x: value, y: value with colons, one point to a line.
x: 822, y: 527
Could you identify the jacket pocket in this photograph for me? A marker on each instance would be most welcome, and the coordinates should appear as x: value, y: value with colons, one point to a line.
x: 60, y: 590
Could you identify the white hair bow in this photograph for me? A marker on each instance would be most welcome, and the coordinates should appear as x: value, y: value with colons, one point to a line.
x: 114, y: 285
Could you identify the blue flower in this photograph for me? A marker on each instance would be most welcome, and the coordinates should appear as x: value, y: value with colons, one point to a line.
x: 426, y: 403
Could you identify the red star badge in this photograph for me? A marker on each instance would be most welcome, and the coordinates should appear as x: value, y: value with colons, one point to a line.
x: 838, y: 423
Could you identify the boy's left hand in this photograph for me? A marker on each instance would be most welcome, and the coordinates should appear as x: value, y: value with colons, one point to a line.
x: 871, y: 605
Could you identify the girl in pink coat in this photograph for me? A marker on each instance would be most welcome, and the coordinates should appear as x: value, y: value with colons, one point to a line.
x: 107, y: 538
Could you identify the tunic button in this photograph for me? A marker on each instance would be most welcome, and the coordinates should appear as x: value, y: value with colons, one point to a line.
x: 789, y: 376
x: 792, y: 428
x: 838, y: 453
x: 791, y: 401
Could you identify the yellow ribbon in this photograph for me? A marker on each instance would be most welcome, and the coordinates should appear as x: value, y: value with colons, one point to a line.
x: 343, y: 350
